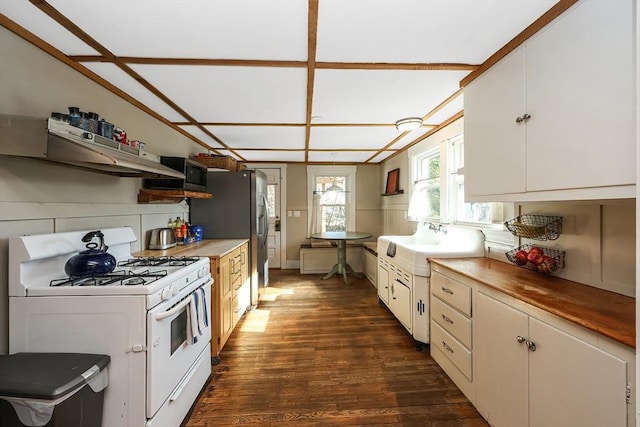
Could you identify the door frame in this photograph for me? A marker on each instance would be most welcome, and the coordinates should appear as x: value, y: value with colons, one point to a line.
x: 283, y: 205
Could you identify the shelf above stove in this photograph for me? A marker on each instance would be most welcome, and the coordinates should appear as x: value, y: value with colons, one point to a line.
x: 169, y: 196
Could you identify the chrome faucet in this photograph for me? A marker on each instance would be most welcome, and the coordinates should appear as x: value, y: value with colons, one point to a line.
x: 437, y: 228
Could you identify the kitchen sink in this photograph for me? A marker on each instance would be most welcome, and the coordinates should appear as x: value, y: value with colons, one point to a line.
x: 404, y: 272
x: 412, y: 251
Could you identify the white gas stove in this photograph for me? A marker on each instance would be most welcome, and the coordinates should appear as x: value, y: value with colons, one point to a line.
x: 152, y: 315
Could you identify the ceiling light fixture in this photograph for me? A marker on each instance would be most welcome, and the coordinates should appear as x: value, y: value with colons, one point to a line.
x: 408, y: 124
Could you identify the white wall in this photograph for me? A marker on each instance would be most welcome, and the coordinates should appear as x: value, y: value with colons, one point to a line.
x: 41, y: 197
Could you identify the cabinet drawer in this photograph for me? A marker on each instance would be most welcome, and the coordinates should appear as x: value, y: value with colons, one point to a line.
x: 452, y: 349
x: 236, y: 261
x: 236, y: 283
x: 451, y: 321
x: 452, y: 292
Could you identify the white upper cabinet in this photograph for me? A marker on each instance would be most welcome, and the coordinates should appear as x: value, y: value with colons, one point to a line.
x: 555, y: 119
x: 494, y: 146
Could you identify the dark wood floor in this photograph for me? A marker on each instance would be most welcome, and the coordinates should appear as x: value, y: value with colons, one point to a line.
x: 319, y: 353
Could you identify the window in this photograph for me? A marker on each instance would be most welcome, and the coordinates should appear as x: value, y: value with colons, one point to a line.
x: 425, y: 197
x: 271, y: 199
x: 437, y: 173
x: 475, y: 212
x: 331, y: 196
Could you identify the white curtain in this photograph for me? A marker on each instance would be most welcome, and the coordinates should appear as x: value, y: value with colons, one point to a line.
x: 315, y: 211
x: 419, y: 201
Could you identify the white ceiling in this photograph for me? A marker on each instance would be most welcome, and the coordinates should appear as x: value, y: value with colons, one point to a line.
x: 234, y: 74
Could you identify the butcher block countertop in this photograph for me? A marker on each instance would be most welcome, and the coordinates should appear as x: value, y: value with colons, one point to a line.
x: 207, y: 247
x: 608, y: 313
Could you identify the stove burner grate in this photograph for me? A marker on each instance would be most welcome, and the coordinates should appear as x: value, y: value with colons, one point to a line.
x: 115, y: 278
x: 171, y: 261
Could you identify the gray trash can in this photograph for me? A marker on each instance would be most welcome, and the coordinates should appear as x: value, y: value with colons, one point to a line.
x: 52, y: 389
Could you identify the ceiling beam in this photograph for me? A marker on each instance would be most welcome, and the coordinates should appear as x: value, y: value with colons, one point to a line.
x: 312, y: 39
x: 396, y: 66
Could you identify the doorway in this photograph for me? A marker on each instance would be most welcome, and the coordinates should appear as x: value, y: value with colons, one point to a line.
x: 274, y: 202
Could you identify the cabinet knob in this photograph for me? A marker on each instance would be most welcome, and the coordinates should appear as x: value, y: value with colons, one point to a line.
x: 520, y: 339
x: 530, y: 345
x: 523, y: 118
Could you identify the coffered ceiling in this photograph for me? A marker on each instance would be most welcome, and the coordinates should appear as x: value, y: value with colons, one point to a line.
x: 281, y: 80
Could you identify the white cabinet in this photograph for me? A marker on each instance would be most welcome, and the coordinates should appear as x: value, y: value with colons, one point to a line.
x: 400, y: 302
x: 530, y: 373
x: 572, y: 87
x: 371, y: 266
x: 492, y: 137
x: 451, y: 328
x: 502, y: 372
x: 572, y: 382
x: 396, y: 290
x: 383, y: 280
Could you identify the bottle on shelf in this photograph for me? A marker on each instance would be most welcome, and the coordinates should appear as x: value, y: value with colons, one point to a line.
x: 177, y: 229
x: 183, y: 233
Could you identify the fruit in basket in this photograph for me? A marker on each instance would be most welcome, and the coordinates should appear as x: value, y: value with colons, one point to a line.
x: 547, y: 264
x: 536, y: 256
x: 520, y: 257
x: 537, y: 249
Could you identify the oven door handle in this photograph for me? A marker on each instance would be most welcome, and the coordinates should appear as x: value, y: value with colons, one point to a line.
x: 182, y: 304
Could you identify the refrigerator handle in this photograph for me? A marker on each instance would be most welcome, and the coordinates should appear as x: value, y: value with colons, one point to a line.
x: 265, y: 216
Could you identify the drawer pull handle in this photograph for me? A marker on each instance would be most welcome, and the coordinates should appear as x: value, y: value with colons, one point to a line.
x: 446, y: 319
x: 447, y: 291
x: 446, y: 347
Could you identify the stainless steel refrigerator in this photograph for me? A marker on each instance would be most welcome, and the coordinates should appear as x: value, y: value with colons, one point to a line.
x: 238, y: 210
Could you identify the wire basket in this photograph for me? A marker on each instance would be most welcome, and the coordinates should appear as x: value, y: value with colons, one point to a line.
x: 218, y: 162
x: 550, y: 261
x: 538, y: 227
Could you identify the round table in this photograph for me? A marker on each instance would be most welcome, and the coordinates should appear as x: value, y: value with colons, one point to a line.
x: 341, y: 237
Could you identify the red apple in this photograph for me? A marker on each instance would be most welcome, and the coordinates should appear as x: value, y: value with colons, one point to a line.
x: 547, y: 264
x: 535, y: 257
x: 537, y: 249
x: 521, y: 257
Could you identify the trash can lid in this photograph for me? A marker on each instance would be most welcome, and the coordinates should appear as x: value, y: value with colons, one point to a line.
x: 47, y: 375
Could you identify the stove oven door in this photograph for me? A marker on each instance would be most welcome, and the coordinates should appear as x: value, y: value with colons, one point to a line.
x: 170, y: 354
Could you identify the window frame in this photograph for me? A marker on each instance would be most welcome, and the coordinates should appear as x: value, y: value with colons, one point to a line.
x: 349, y: 172
x: 417, y: 176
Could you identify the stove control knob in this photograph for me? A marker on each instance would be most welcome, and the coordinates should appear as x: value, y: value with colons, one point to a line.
x: 202, y: 272
x: 174, y: 290
x: 167, y: 293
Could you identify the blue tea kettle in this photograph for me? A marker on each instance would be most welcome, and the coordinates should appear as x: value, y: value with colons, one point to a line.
x: 94, y: 261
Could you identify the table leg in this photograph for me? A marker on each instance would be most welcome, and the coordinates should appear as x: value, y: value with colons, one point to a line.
x: 341, y: 267
x: 349, y: 269
x: 333, y: 271
x: 342, y: 259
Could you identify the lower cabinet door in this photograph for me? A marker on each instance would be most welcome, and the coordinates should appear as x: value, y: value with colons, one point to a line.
x: 573, y: 383
x: 400, y: 303
x: 383, y: 284
x: 502, y: 368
